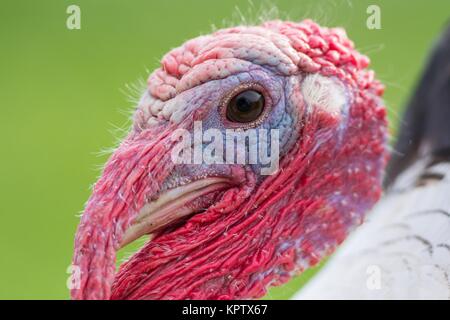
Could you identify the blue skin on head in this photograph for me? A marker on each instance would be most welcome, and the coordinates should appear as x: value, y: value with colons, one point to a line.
x: 209, y: 97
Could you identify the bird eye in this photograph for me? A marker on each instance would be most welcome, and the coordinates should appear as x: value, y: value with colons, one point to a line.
x: 247, y: 106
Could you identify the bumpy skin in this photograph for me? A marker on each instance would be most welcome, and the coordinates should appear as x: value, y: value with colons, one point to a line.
x: 259, y: 233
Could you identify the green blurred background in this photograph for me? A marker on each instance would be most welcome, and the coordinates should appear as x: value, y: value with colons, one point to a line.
x: 64, y: 97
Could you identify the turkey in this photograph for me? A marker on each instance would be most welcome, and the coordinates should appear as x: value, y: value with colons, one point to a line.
x: 403, y: 250
x: 229, y: 229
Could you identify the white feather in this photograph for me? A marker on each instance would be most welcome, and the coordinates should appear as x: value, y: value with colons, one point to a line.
x: 402, y: 251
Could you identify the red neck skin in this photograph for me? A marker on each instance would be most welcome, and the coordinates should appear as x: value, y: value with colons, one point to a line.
x: 254, y: 238
x: 134, y: 172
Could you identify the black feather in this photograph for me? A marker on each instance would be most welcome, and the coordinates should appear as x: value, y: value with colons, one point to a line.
x: 425, y: 127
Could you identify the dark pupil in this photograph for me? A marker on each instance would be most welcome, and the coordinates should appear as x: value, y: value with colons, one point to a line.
x: 247, y: 106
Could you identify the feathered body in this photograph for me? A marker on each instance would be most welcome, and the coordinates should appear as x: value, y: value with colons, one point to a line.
x: 403, y: 250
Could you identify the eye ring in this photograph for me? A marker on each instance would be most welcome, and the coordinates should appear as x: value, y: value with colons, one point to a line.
x: 255, y: 118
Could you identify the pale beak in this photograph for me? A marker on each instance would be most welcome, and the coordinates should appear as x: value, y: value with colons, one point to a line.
x: 171, y: 206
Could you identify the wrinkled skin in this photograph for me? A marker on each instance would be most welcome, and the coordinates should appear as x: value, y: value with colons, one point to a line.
x: 254, y: 231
